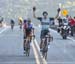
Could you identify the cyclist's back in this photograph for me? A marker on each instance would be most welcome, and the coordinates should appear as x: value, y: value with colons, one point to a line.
x: 20, y: 20
x: 12, y: 21
x: 1, y: 19
x: 25, y: 24
x: 29, y: 27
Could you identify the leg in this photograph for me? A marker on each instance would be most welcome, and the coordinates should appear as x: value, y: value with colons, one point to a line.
x: 71, y: 30
x: 41, y: 37
x: 41, y: 43
x: 24, y: 44
x: 49, y: 39
x: 24, y: 41
x: 45, y: 55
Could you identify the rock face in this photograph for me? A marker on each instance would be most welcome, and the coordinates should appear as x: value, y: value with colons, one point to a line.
x: 13, y: 9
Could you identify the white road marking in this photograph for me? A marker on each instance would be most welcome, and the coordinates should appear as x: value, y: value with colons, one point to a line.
x: 15, y: 62
x: 44, y: 61
x: 58, y: 33
x: 3, y: 30
x: 35, y: 54
x: 71, y: 39
x: 65, y: 51
x: 33, y: 62
x: 7, y: 27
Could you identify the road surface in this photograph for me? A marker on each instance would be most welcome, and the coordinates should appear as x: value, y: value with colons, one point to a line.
x: 11, y: 48
x: 11, y: 42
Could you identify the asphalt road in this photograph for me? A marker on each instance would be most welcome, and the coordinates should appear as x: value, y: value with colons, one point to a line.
x: 11, y: 42
x: 11, y: 48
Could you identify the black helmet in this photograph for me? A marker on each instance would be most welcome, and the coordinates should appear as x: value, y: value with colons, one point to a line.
x: 25, y: 20
x: 29, y: 20
x: 45, y: 13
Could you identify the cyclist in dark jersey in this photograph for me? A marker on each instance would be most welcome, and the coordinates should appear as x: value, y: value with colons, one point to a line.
x: 28, y: 32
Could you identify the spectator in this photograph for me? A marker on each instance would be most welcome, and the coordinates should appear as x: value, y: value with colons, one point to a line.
x: 72, y: 24
x: 1, y: 20
x: 60, y: 21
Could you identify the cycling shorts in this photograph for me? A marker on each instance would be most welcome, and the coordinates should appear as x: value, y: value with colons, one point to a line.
x: 44, y: 33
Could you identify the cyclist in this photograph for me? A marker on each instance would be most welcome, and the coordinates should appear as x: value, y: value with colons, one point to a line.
x: 1, y: 20
x: 12, y: 23
x: 20, y: 22
x: 24, y: 28
x: 28, y: 31
x: 45, y: 22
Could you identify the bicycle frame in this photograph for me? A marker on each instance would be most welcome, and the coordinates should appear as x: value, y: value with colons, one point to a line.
x: 45, y: 45
x: 27, y: 46
x: 20, y: 25
x: 12, y: 26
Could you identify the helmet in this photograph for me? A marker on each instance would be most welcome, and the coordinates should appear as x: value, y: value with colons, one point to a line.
x: 20, y: 18
x: 29, y: 20
x: 45, y: 13
x: 25, y: 21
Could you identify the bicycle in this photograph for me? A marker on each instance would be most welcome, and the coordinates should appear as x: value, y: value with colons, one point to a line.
x: 12, y: 23
x: 45, y: 45
x: 12, y: 26
x: 20, y: 25
x: 27, y: 46
x: 27, y: 43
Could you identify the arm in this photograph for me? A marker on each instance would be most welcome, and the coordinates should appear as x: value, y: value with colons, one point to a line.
x: 38, y: 18
x: 34, y: 15
x: 58, y: 12
x: 34, y: 9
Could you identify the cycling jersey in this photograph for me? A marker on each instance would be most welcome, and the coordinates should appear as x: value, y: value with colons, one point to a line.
x: 25, y: 25
x: 30, y: 26
x: 20, y: 20
x: 45, y: 22
x: 29, y: 29
x: 12, y: 22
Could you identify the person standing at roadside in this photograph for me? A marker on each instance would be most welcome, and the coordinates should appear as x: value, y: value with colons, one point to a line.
x: 72, y: 24
x: 1, y: 20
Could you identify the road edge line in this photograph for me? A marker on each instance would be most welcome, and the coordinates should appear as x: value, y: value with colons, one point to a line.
x: 3, y: 30
x: 35, y: 54
x: 44, y: 61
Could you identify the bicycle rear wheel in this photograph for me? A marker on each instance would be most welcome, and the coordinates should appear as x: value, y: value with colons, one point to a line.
x: 27, y: 52
x: 28, y: 49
